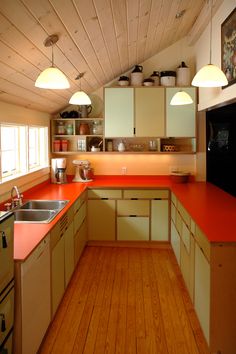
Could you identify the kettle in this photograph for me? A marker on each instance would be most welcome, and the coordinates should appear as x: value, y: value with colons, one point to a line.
x: 137, y: 76
x: 85, y: 110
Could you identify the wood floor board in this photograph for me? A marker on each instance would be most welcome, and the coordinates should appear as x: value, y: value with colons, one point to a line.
x: 125, y: 301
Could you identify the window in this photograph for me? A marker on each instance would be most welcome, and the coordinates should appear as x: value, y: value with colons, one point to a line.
x: 23, y: 149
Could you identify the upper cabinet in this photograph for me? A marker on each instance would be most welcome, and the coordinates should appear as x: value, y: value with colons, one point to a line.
x: 149, y: 111
x: 127, y: 110
x: 180, y: 120
x: 119, y: 112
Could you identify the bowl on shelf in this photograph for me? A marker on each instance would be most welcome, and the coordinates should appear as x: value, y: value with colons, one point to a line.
x: 179, y: 176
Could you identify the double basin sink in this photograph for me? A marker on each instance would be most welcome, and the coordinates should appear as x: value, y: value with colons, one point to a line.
x: 39, y: 211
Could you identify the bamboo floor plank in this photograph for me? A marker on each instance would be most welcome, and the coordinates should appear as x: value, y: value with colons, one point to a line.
x: 125, y: 301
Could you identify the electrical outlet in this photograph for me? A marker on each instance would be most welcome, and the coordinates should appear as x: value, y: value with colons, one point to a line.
x: 124, y: 170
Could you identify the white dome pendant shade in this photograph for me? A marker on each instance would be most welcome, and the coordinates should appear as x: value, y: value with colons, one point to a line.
x: 181, y: 98
x: 210, y: 76
x: 80, y: 98
x: 52, y: 78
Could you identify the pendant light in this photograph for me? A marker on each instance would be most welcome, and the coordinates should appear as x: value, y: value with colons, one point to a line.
x: 52, y: 78
x: 80, y: 97
x: 210, y: 75
x: 181, y: 98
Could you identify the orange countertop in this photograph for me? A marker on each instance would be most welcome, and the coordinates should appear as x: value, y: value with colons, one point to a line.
x: 212, y: 209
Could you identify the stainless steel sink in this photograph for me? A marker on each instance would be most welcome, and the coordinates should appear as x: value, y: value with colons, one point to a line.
x: 39, y: 211
x: 34, y: 216
x: 45, y: 204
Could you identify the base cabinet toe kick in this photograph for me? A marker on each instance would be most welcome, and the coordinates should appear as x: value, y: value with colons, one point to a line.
x: 209, y: 272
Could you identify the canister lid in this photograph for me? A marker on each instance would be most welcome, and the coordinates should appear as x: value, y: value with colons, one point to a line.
x: 168, y: 73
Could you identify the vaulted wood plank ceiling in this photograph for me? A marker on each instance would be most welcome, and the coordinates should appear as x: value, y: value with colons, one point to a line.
x: 103, y: 38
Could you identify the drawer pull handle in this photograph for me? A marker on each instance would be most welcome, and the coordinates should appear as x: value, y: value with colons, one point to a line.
x: 157, y: 198
x: 134, y: 198
x: 104, y: 198
x: 132, y: 216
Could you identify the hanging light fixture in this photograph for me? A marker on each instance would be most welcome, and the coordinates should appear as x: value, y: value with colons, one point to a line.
x: 80, y: 97
x: 181, y: 98
x: 52, y: 78
x: 210, y: 75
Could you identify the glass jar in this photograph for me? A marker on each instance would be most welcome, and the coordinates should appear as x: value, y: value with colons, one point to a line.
x: 61, y: 128
x: 69, y: 129
x: 97, y: 127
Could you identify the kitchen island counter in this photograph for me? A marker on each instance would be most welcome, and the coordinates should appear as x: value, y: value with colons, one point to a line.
x: 212, y: 209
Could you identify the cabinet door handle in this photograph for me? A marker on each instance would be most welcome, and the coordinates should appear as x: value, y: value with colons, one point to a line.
x: 132, y: 216
x: 3, y: 324
x: 4, y: 239
x: 157, y: 198
x: 104, y: 198
x: 134, y: 198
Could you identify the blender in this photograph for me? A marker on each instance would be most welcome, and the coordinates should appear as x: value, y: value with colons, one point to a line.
x: 83, y: 171
x: 58, y: 171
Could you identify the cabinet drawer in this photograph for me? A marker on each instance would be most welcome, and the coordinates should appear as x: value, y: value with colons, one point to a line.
x: 132, y: 228
x: 79, y: 217
x: 185, y: 215
x: 173, y: 212
x: 203, y: 242
x: 133, y: 207
x: 78, y: 202
x: 146, y: 193
x: 61, y: 227
x: 104, y: 193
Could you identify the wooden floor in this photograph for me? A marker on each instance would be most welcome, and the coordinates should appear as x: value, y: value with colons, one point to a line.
x: 125, y: 300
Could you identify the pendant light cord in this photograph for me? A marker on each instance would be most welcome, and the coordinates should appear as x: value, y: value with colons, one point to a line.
x: 52, y: 57
x: 210, y: 29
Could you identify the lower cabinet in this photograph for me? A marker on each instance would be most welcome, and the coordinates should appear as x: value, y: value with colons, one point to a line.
x: 101, y: 220
x: 202, y: 290
x: 209, y: 272
x: 33, y: 299
x: 80, y: 227
x: 160, y: 220
x: 62, y: 257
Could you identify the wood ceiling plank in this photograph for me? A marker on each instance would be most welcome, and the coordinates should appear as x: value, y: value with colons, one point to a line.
x: 120, y: 21
x: 105, y: 18
x: 67, y: 56
x: 27, y: 96
x: 153, y: 23
x: 71, y: 20
x: 10, y: 74
x: 144, y: 16
x: 89, y: 18
x: 12, y: 99
x: 132, y: 24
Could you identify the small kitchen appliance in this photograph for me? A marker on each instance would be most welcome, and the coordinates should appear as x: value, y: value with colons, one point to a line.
x: 58, y: 171
x: 83, y: 171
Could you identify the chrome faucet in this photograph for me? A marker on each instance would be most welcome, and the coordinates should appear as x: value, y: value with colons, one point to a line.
x: 16, y: 201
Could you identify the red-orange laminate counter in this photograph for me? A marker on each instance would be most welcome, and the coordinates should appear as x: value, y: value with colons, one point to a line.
x: 213, y: 210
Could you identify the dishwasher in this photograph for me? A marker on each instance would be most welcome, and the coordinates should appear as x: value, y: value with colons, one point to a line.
x: 33, y: 310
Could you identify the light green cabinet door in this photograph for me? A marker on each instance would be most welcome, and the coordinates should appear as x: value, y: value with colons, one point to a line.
x: 180, y: 120
x: 58, y: 274
x: 101, y: 220
x: 119, y: 112
x: 149, y: 112
x: 69, y: 253
x: 202, y: 291
x: 160, y: 220
x: 132, y: 228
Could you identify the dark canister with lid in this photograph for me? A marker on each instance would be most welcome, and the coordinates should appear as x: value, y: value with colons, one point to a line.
x: 168, y: 78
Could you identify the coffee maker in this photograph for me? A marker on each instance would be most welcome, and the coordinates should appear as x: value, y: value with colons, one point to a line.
x: 58, y: 171
x: 83, y: 171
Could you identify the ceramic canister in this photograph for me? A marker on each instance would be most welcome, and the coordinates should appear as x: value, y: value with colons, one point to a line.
x: 136, y: 76
x: 183, y: 75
